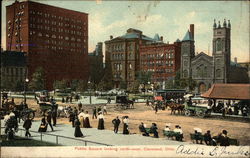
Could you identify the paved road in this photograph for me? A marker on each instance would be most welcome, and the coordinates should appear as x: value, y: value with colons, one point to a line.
x: 101, y: 136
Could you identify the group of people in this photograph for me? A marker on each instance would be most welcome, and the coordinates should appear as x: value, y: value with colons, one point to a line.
x: 49, y: 118
x: 153, y: 129
x: 222, y: 138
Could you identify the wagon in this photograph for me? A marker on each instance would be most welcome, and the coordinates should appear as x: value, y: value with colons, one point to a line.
x: 123, y: 102
x: 198, y: 107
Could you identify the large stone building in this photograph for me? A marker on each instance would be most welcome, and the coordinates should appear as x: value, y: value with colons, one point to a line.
x: 13, y: 69
x: 218, y: 68
x: 55, y: 39
x: 161, y: 59
x: 122, y: 53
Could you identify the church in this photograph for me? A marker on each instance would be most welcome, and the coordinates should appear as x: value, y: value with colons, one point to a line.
x: 218, y: 68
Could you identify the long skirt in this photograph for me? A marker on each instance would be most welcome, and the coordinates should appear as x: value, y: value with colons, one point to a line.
x: 78, y: 132
x: 86, y: 123
x: 43, y: 128
x: 101, y: 124
x: 82, y: 122
x: 125, y: 129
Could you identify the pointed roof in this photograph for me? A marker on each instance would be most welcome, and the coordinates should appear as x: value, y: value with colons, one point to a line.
x: 188, y: 36
x: 157, y: 37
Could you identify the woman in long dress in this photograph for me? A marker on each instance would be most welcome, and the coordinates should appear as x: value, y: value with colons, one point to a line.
x: 100, y: 121
x: 81, y: 118
x: 43, y: 126
x: 125, y: 125
x: 78, y: 132
x: 86, y: 120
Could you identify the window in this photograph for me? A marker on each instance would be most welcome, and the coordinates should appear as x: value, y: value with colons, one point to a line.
x: 218, y: 73
x: 218, y: 45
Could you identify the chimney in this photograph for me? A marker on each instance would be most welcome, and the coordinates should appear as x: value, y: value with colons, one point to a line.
x: 235, y: 60
x: 192, y: 30
x: 161, y: 38
x: 111, y: 37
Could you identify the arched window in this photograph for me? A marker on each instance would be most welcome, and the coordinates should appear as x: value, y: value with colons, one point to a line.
x: 218, y: 73
x: 218, y: 45
x: 185, y: 73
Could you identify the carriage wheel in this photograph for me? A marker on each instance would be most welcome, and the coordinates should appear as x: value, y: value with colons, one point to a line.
x: 187, y: 112
x: 200, y: 113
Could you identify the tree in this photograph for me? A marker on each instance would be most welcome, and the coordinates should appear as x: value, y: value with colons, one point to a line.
x: 123, y: 85
x: 134, y: 88
x: 37, y: 82
x: 143, y: 77
x: 82, y: 85
x: 107, y: 80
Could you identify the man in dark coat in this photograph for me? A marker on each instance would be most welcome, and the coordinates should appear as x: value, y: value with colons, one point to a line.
x: 79, y: 106
x: 72, y: 118
x: 153, y: 129
x: 27, y: 125
x: 208, y: 138
x: 99, y: 109
x: 94, y: 113
x: 116, y: 123
x: 143, y: 130
x: 223, y: 139
x: 49, y: 117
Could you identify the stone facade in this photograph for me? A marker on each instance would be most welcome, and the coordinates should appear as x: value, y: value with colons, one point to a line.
x: 123, y: 54
x: 13, y: 67
x: 207, y: 70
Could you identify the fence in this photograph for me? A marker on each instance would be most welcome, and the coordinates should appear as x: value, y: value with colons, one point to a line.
x: 42, y: 135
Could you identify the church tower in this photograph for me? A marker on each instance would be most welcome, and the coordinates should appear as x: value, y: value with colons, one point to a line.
x: 187, y: 53
x: 221, y: 51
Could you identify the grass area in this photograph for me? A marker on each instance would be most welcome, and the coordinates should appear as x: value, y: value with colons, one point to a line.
x: 19, y: 141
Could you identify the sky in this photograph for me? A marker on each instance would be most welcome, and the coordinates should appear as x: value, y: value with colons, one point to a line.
x: 167, y: 18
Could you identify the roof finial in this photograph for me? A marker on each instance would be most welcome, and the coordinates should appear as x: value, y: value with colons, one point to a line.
x: 229, y: 25
x: 224, y: 23
x: 219, y: 25
x: 215, y: 24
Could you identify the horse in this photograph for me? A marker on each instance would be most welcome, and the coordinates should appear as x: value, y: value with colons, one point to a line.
x: 65, y: 110
x: 176, y: 107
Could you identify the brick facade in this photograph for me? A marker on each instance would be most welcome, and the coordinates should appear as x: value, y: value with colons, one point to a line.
x: 54, y: 38
x: 162, y: 60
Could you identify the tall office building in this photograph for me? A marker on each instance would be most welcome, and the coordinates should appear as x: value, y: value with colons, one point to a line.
x: 55, y: 39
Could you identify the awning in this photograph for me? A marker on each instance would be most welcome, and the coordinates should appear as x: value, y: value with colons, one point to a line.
x: 228, y: 91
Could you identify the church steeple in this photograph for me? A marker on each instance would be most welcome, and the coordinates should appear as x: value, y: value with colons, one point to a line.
x: 229, y: 25
x: 214, y: 24
x: 219, y: 25
x: 224, y: 23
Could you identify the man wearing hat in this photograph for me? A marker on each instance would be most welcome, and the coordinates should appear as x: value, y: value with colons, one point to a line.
x: 49, y: 117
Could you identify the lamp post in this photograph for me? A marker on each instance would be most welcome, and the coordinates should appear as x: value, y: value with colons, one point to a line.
x: 89, y: 83
x: 25, y: 84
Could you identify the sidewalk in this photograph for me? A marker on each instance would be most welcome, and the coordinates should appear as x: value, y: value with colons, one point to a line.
x: 92, y: 134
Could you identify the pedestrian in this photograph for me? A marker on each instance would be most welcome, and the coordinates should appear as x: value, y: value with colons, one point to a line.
x: 27, y: 125
x: 100, y: 118
x: 147, y: 102
x: 153, y: 129
x: 49, y: 117
x: 105, y: 109
x: 86, y: 120
x: 70, y: 99
x: 116, y: 122
x: 78, y: 132
x: 72, y: 118
x: 94, y: 113
x: 43, y: 125
x: 125, y: 125
x: 81, y: 118
x: 156, y: 108
x: 63, y: 100
x: 79, y: 106
x: 54, y: 116
x: 99, y: 109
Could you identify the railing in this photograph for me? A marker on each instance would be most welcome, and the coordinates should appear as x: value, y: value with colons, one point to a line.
x: 65, y: 137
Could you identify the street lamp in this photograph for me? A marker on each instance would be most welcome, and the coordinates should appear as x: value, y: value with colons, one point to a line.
x: 25, y: 84
x: 89, y: 83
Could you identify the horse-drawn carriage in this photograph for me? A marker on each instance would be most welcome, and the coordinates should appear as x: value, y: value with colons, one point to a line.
x: 123, y: 102
x: 197, y: 107
x: 21, y: 110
